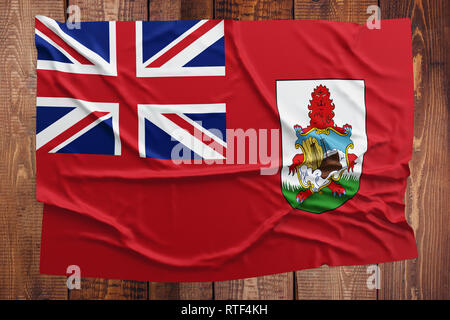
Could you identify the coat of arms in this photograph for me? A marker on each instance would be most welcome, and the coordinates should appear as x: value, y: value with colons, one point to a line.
x: 323, y: 160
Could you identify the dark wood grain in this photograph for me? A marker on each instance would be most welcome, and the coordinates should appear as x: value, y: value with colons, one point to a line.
x: 336, y: 10
x: 107, y: 289
x: 176, y: 10
x: 119, y: 10
x: 20, y: 213
x: 181, y: 9
x: 427, y: 199
x: 427, y: 202
x: 279, y: 286
x: 333, y: 282
x: 95, y: 10
x: 164, y: 10
x: 272, y: 287
x: 181, y: 291
x: 253, y: 9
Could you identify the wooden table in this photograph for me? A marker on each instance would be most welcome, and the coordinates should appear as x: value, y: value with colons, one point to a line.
x: 427, y: 195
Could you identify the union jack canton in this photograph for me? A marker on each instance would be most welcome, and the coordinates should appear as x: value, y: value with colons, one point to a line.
x: 110, y: 107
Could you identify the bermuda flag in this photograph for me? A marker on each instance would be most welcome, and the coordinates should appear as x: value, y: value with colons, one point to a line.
x: 215, y: 149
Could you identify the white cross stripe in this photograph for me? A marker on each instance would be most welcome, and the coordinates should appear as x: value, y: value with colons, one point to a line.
x: 154, y: 113
x: 100, y: 66
x: 174, y: 66
x: 82, y: 110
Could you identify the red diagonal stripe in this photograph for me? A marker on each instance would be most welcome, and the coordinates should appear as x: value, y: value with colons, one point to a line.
x: 204, y: 138
x: 60, y: 42
x: 208, y: 25
x: 80, y: 125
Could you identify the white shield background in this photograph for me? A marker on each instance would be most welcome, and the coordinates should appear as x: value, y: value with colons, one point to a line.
x: 293, y: 98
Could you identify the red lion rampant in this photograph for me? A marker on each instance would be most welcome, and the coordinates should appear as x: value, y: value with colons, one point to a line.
x: 321, y: 111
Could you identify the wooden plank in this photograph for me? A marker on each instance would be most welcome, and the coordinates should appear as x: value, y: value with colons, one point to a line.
x: 176, y: 10
x: 20, y: 213
x: 198, y: 9
x: 165, y: 10
x: 253, y: 9
x: 273, y: 287
x: 336, y: 10
x: 427, y: 200
x: 94, y: 11
x: 181, y: 291
x: 107, y: 289
x: 101, y: 10
x: 279, y: 286
x: 333, y: 282
x: 181, y: 9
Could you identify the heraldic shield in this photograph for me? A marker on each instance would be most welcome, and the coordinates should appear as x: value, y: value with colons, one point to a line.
x: 323, y: 134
